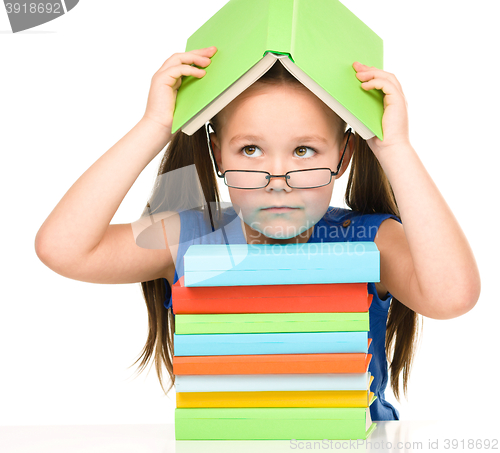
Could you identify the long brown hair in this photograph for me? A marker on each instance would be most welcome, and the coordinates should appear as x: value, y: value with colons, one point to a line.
x: 368, y: 191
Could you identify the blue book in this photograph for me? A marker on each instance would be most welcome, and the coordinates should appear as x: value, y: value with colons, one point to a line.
x: 270, y: 343
x: 263, y: 264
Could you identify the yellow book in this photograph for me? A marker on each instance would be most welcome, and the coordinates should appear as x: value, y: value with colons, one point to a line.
x: 315, y: 398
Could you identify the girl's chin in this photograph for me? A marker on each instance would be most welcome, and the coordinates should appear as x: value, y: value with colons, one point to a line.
x: 280, y: 231
x: 280, y: 235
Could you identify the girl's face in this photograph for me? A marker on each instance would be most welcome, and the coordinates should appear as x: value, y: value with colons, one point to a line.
x: 278, y: 129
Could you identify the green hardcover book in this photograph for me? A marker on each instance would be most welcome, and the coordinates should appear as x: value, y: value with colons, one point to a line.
x: 273, y: 423
x: 271, y: 322
x: 316, y: 40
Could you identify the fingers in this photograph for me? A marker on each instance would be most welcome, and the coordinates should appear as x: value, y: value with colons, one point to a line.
x: 172, y: 75
x: 366, y: 73
x: 392, y: 94
x: 372, y: 77
x: 199, y: 57
x: 184, y: 64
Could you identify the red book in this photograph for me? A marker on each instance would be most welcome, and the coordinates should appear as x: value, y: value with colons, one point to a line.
x: 272, y: 364
x: 313, y: 298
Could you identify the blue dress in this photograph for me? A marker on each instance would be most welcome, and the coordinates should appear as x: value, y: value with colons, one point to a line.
x: 337, y: 225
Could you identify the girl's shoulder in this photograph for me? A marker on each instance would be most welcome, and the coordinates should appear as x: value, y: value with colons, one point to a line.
x: 340, y: 224
x: 204, y: 226
x: 337, y: 215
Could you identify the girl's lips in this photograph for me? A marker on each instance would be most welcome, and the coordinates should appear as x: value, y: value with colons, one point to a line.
x: 279, y: 209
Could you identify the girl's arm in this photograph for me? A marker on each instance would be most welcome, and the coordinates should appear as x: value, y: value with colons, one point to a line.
x: 76, y: 240
x: 427, y: 262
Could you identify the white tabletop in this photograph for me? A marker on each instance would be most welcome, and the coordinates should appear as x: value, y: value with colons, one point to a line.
x: 391, y: 436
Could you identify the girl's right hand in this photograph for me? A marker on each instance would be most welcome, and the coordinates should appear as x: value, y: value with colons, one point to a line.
x: 167, y: 80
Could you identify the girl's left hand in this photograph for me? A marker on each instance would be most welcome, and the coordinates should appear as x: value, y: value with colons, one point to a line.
x: 395, y: 118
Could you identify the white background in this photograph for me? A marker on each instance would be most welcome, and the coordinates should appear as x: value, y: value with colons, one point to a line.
x: 71, y: 88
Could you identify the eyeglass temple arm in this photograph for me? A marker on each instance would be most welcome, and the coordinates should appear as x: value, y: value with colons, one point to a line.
x: 217, y: 171
x: 335, y: 173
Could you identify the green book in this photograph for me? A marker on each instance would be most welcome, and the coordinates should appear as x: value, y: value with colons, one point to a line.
x: 273, y: 423
x: 316, y: 40
x: 271, y: 322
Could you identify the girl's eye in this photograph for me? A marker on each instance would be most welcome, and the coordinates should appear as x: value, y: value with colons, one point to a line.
x: 251, y: 150
x: 301, y: 151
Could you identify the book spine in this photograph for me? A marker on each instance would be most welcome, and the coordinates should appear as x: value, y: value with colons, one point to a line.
x: 348, y: 274
x: 271, y: 323
x: 315, y: 398
x: 348, y: 291
x: 270, y: 343
x: 272, y: 382
x: 278, y: 305
x: 273, y: 364
x: 280, y: 26
x: 325, y: 255
x: 273, y: 423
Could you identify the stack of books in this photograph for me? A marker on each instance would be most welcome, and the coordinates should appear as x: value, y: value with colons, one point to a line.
x: 271, y: 341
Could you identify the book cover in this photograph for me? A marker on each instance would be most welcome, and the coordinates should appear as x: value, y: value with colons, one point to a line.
x: 294, y: 264
x: 321, y: 39
x: 309, y: 398
x: 273, y: 423
x: 273, y: 382
x: 272, y: 364
x: 270, y: 343
x: 307, y: 298
x: 271, y: 323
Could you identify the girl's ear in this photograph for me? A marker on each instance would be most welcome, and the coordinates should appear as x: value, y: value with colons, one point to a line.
x: 348, y: 152
x: 214, y: 140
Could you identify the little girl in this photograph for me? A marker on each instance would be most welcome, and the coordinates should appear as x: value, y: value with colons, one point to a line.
x: 278, y: 127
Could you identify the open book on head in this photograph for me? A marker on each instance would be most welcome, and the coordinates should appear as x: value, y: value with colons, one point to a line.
x: 316, y: 41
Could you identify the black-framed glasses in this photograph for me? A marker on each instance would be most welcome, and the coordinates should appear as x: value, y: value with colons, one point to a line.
x: 310, y: 178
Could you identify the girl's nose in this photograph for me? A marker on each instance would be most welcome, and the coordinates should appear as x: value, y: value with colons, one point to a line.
x: 278, y: 183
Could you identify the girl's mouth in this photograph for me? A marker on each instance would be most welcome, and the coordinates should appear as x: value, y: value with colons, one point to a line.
x: 279, y: 209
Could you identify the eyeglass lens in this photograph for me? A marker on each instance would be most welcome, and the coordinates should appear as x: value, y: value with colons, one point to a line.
x: 296, y: 179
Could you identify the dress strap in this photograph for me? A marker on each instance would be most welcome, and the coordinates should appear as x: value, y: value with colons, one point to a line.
x: 168, y: 295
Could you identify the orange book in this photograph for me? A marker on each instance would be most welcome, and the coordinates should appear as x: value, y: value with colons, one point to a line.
x: 273, y: 364
x: 313, y: 298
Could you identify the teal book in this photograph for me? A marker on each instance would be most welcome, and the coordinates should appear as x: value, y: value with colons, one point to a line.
x: 273, y: 423
x: 292, y: 264
x: 317, y: 41
x: 270, y: 343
